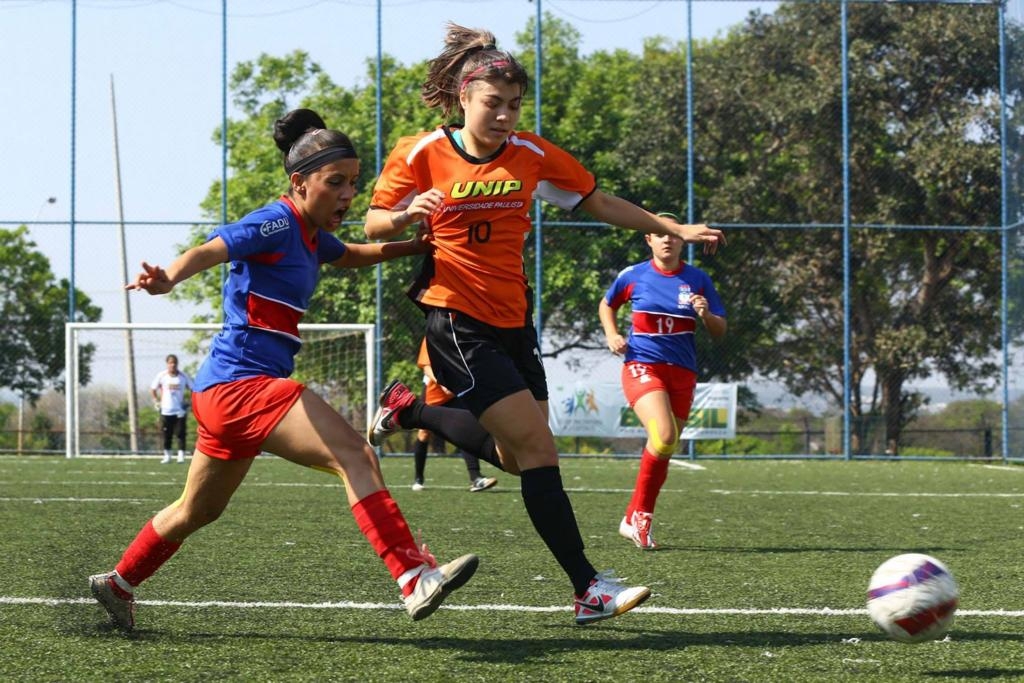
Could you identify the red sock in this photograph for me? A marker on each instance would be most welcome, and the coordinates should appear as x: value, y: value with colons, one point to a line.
x: 649, y: 480
x: 382, y: 523
x: 145, y: 555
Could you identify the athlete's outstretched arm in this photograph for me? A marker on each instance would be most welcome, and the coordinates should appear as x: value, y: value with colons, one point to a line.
x: 617, y: 211
x: 158, y: 280
x: 361, y: 255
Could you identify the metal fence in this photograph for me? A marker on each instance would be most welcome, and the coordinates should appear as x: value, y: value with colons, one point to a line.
x: 182, y: 94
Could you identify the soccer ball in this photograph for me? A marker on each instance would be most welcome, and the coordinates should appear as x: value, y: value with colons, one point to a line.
x: 913, y: 598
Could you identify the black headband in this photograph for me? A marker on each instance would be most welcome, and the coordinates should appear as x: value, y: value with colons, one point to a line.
x: 322, y: 158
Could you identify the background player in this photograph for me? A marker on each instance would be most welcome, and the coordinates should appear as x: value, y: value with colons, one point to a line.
x: 667, y: 297
x: 436, y: 395
x: 168, y: 390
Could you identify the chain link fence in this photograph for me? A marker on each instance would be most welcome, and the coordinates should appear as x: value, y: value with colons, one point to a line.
x: 873, y: 276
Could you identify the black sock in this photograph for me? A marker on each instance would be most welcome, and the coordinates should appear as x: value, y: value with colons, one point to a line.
x: 472, y: 465
x: 456, y: 425
x: 419, y: 457
x: 552, y: 516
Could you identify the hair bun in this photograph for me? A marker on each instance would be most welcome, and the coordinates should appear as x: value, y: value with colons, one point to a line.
x: 293, y: 125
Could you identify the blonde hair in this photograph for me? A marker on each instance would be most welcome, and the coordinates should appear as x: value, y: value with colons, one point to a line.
x: 469, y: 55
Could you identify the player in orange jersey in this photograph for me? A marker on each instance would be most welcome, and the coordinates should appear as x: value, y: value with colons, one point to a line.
x: 472, y: 186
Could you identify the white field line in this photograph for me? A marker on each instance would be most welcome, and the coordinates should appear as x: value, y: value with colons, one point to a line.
x: 328, y: 485
x: 686, y: 464
x: 570, y: 489
x: 870, y: 494
x: 348, y: 605
x: 77, y: 500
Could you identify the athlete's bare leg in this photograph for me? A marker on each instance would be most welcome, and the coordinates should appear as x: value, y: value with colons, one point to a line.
x: 313, y: 434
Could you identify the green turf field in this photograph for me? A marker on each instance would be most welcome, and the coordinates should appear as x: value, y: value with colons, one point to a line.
x: 762, y: 576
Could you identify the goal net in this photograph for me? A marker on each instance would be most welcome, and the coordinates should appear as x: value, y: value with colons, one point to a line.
x: 109, y: 368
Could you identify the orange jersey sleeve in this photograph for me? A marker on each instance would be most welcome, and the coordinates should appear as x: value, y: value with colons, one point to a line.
x: 396, y: 187
x: 480, y: 229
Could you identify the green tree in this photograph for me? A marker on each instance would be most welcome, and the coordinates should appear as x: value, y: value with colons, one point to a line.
x: 964, y: 428
x: 924, y: 151
x: 8, y: 426
x: 33, y: 310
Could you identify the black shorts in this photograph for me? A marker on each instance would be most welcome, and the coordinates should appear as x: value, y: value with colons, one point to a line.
x: 483, y: 364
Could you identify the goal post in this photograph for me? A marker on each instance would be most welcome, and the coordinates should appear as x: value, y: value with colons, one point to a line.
x: 108, y: 368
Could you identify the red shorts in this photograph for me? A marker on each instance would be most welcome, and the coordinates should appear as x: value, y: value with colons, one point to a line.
x: 236, y: 418
x: 642, y: 378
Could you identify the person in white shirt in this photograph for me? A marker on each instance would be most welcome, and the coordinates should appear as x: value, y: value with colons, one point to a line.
x: 168, y: 390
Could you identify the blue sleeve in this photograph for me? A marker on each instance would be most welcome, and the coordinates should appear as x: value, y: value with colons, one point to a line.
x: 265, y: 230
x: 615, y: 296
x: 711, y: 294
x: 329, y: 248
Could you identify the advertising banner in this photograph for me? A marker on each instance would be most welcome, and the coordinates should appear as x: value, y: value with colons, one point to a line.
x: 599, y: 409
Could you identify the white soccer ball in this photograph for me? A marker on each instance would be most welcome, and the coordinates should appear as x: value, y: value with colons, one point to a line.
x: 913, y: 598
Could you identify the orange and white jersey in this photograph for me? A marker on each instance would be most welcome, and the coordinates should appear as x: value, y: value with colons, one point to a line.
x: 480, y: 229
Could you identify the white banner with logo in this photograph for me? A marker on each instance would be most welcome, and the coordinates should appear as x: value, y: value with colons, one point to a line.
x: 599, y: 409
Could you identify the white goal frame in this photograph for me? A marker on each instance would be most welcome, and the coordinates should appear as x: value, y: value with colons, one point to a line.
x: 71, y: 368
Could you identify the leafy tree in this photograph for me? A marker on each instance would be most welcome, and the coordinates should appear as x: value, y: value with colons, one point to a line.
x: 8, y: 426
x: 968, y: 427
x: 116, y: 428
x: 923, y: 152
x: 43, y: 434
x: 33, y: 310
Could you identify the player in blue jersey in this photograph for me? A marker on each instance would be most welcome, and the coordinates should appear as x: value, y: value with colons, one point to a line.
x: 243, y: 399
x: 667, y: 297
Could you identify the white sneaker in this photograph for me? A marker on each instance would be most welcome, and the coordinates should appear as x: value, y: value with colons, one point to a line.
x: 639, y: 531
x: 166, y: 459
x: 608, y: 597
x: 435, y: 583
x: 181, y: 456
x: 482, y: 484
x: 418, y: 485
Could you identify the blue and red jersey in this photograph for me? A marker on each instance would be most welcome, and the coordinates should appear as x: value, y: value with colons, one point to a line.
x: 663, y: 321
x: 274, y: 270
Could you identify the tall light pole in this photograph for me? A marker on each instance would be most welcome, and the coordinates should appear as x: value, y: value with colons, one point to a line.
x: 129, y: 344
